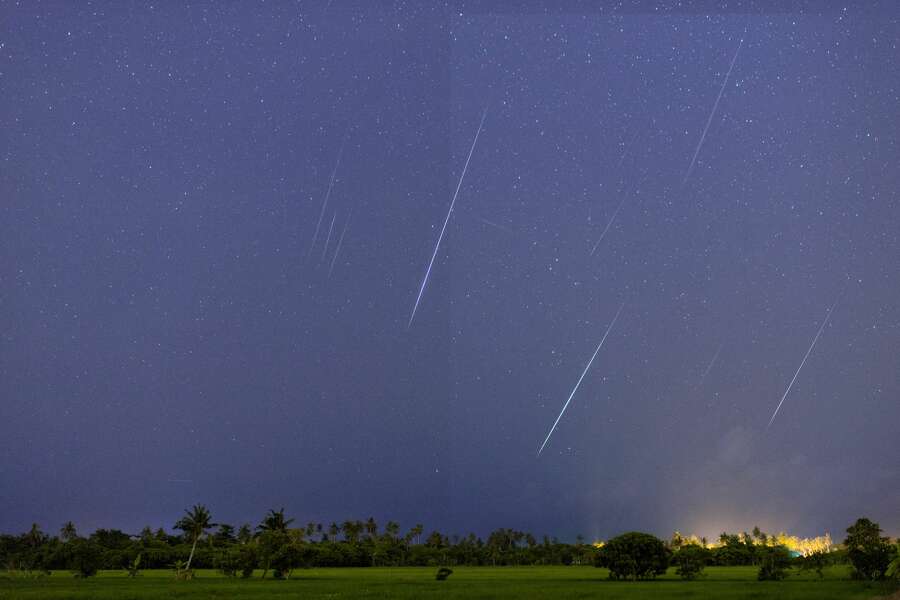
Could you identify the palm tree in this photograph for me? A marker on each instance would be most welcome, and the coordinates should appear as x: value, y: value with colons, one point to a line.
x: 417, y: 532
x: 225, y: 534
x: 371, y: 528
x: 245, y: 534
x: 351, y: 531
x: 146, y: 535
x: 333, y: 531
x: 392, y: 529
x: 275, y: 521
x: 35, y: 537
x: 195, y: 524
x: 68, y: 533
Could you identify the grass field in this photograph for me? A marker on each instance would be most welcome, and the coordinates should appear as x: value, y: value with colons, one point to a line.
x: 471, y: 582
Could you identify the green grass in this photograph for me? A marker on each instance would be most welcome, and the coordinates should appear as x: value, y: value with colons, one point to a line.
x: 466, y: 582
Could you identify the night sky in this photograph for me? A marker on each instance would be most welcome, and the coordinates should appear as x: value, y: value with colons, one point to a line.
x: 174, y: 329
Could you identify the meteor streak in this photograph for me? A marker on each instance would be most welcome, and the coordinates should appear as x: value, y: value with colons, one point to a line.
x: 339, y: 244
x: 446, y: 220
x: 495, y: 225
x: 327, y: 194
x: 711, y: 363
x: 615, y: 213
x: 803, y: 362
x: 627, y: 147
x: 328, y: 237
x: 712, y: 113
x: 566, y: 405
x: 609, y: 224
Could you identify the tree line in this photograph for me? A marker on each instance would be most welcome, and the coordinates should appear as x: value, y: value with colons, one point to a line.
x: 277, y: 547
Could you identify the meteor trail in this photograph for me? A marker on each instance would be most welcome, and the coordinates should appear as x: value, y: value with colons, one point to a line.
x: 711, y: 363
x: 327, y: 194
x: 495, y: 225
x: 328, y: 237
x: 613, y: 218
x: 609, y: 224
x: 566, y: 405
x: 627, y: 147
x: 803, y: 362
x: 339, y: 244
x: 446, y: 220
x: 712, y: 113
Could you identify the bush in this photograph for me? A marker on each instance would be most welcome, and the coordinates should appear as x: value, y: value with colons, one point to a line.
x: 229, y: 562
x: 869, y: 553
x: 634, y: 555
x: 443, y: 573
x: 690, y: 560
x: 734, y: 551
x: 248, y: 559
x: 284, y: 560
x: 893, y: 569
x: 134, y: 567
x: 814, y: 562
x: 85, y: 558
x: 773, y: 563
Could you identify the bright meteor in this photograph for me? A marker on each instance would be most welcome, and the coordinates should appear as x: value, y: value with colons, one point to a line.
x: 566, y: 405
x: 712, y: 113
x: 803, y: 362
x: 446, y: 220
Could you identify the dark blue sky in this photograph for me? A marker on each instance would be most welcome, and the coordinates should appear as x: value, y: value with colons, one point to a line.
x: 172, y: 331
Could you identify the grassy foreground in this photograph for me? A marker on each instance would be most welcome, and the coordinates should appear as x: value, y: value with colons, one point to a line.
x: 466, y: 582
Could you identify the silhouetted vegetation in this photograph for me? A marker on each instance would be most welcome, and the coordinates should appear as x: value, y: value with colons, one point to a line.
x: 868, y: 551
x: 690, y: 560
x: 634, y: 556
x: 774, y: 562
x: 278, y: 549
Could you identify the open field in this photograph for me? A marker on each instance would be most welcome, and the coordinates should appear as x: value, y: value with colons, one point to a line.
x: 466, y: 582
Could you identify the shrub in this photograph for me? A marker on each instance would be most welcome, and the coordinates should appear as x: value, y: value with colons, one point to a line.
x: 773, y: 563
x: 229, y: 562
x: 85, y: 558
x: 247, y: 560
x: 182, y: 573
x: 284, y: 560
x: 869, y: 553
x: 634, y: 555
x: 893, y: 569
x: 690, y: 560
x: 133, y: 567
x: 814, y: 562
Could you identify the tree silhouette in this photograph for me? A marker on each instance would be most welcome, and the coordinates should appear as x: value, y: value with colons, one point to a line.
x: 371, y: 528
x: 275, y: 521
x: 68, y: 533
x: 195, y: 524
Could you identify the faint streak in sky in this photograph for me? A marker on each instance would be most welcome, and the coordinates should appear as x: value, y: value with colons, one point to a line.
x: 575, y: 389
x: 340, y: 243
x: 815, y: 339
x: 710, y: 365
x: 328, y: 237
x: 446, y: 220
x: 615, y: 213
x: 627, y: 147
x: 712, y: 113
x: 495, y: 225
x: 327, y: 195
x: 609, y: 224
